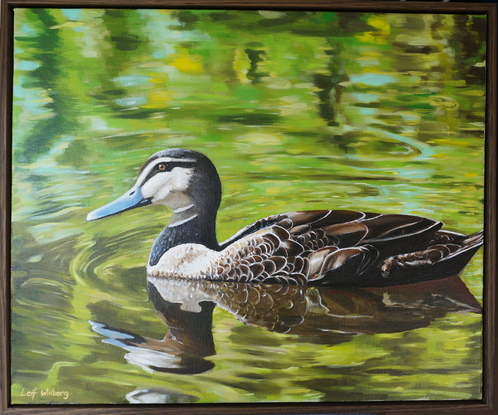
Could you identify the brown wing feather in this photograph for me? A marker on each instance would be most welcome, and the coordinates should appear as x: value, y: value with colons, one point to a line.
x: 302, y: 247
x: 328, y: 247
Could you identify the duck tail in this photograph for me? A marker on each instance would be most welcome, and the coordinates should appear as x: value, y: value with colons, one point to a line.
x: 447, y: 256
x: 474, y: 240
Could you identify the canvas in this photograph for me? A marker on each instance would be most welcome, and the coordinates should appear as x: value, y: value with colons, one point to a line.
x: 298, y: 111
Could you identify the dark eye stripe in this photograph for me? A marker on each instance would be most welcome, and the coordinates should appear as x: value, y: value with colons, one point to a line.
x: 170, y: 165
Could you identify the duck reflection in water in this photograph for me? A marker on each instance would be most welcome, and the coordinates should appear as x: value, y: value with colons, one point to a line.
x: 335, y: 315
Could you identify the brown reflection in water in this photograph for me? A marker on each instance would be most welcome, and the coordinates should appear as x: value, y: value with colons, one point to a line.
x: 335, y: 314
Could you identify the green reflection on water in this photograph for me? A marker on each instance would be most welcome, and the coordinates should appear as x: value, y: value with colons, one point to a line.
x: 298, y: 111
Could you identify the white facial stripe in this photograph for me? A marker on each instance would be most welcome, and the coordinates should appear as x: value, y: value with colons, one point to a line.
x: 145, y: 172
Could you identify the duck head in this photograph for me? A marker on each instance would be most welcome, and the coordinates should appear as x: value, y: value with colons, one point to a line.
x: 184, y: 180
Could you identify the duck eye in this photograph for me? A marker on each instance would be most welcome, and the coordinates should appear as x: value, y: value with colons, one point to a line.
x: 161, y: 167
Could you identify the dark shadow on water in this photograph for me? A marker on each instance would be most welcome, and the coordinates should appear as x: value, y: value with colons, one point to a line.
x: 182, y: 350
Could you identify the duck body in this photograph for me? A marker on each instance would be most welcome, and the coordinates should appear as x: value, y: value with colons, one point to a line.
x: 321, y: 247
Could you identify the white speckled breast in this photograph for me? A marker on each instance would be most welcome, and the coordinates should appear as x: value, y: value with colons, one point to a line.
x: 193, y: 261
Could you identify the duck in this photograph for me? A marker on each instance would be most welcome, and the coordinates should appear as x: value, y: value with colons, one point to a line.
x: 337, y: 248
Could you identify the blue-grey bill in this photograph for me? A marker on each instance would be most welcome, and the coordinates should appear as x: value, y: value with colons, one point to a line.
x: 130, y: 200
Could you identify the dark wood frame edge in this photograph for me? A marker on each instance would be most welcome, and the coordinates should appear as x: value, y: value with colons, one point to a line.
x: 486, y: 406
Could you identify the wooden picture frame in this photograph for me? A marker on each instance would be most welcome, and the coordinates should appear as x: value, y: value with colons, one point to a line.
x: 489, y: 400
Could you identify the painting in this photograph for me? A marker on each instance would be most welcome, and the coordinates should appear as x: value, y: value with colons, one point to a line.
x: 345, y: 156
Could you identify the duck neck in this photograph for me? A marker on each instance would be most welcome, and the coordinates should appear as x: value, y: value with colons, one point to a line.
x: 183, y: 215
x: 187, y: 225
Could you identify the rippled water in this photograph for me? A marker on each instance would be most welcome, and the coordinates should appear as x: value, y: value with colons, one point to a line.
x: 297, y: 111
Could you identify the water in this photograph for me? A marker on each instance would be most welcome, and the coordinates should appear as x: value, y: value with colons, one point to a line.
x: 297, y: 111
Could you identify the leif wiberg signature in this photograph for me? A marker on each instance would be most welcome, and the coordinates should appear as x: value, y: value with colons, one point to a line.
x: 49, y: 392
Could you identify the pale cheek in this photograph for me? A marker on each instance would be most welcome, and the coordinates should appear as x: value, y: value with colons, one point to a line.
x: 168, y: 190
x: 153, y: 187
x: 162, y: 193
x: 180, y: 179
